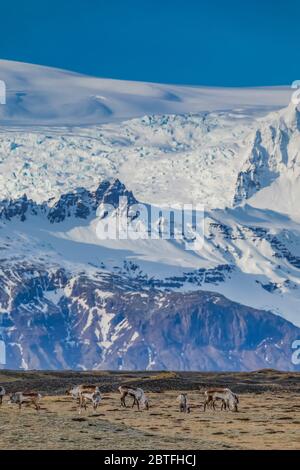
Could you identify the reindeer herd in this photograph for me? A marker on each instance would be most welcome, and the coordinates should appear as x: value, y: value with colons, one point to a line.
x: 90, y: 394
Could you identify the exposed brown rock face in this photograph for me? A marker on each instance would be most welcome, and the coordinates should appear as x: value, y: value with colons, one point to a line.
x: 109, y: 322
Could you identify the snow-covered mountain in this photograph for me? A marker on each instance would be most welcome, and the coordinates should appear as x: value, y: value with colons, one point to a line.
x: 38, y: 95
x: 68, y: 301
x: 99, y: 303
x: 271, y: 173
x: 112, y: 322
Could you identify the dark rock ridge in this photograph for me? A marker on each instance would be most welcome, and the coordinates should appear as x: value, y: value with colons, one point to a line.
x: 79, y: 203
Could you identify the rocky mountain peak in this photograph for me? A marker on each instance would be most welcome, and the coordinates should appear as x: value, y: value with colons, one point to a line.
x: 79, y: 203
x: 109, y: 192
x: 20, y: 208
x: 273, y: 153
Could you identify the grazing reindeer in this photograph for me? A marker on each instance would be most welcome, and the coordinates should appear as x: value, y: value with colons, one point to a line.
x: 138, y: 395
x: 90, y: 396
x: 229, y: 399
x: 231, y: 402
x: 2, y: 394
x: 73, y: 392
x: 183, y: 403
x: 76, y: 391
x: 124, y: 391
x: 30, y: 398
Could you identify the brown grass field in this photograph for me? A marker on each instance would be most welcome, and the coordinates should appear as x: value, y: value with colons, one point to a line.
x: 268, y: 417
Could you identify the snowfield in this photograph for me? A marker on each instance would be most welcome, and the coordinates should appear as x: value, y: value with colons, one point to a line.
x: 38, y: 95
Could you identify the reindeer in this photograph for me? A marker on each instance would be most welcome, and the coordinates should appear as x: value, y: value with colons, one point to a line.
x: 231, y: 402
x: 229, y: 399
x: 30, y: 398
x: 90, y: 396
x: 124, y: 391
x: 138, y: 395
x: 76, y: 391
x: 2, y: 394
x: 84, y: 393
x: 183, y: 403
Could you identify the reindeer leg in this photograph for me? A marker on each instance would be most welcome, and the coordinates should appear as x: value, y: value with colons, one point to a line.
x: 80, y: 405
x: 123, y: 401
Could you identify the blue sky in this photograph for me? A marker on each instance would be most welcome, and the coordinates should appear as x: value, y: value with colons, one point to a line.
x: 225, y: 43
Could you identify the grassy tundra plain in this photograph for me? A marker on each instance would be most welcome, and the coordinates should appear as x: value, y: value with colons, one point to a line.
x: 268, y: 417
